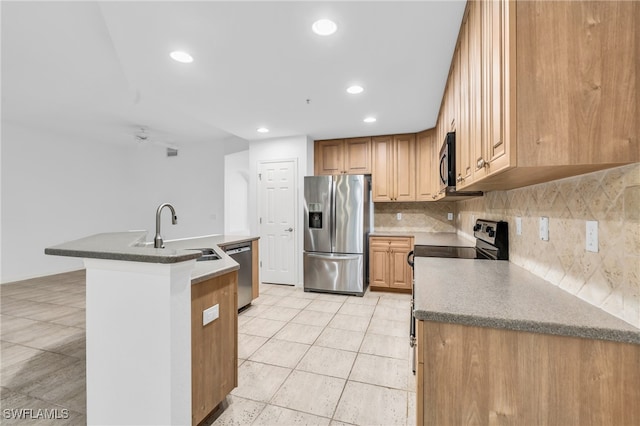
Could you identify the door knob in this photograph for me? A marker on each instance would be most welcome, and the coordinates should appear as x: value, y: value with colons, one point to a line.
x: 289, y: 230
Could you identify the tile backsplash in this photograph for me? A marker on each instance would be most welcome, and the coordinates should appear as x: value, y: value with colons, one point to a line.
x: 416, y: 217
x: 610, y: 278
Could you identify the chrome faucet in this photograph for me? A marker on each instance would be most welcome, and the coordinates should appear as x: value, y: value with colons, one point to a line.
x: 157, y: 241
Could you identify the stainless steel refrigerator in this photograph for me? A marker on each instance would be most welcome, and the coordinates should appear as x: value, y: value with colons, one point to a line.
x: 337, y: 215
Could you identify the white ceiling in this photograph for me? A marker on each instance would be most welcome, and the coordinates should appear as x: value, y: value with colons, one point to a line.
x: 102, y: 70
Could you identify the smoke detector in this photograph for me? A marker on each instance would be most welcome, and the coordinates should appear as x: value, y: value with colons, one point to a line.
x: 142, y: 135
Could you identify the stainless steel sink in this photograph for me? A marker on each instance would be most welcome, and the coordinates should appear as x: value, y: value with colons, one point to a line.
x: 207, y: 254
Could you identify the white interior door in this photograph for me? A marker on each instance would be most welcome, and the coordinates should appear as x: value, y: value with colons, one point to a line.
x: 277, y: 214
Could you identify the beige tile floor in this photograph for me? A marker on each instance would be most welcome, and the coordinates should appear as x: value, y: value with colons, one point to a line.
x: 304, y: 358
x: 42, y: 349
x: 320, y: 359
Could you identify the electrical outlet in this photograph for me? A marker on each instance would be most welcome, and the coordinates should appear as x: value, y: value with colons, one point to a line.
x: 518, y: 225
x: 210, y: 314
x: 544, y: 228
x: 399, y: 216
x: 592, y: 236
x: 449, y: 216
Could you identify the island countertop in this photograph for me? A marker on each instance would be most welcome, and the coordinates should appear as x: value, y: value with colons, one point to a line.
x: 210, y: 268
x: 132, y: 246
x: 500, y: 294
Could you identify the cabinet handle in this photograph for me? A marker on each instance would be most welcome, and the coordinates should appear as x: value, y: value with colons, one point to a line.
x: 460, y: 178
x: 481, y: 163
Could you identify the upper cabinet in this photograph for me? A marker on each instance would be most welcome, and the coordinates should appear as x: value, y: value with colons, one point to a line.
x: 426, y: 161
x: 342, y: 156
x: 566, y: 104
x: 394, y: 168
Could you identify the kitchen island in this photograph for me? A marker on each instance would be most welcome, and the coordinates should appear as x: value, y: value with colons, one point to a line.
x: 497, y: 344
x: 153, y: 357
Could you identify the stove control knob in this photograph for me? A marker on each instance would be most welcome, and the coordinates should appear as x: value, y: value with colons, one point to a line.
x: 492, y: 233
x: 477, y: 227
x: 489, y: 229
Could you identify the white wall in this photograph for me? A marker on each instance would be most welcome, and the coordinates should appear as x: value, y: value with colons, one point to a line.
x: 295, y: 147
x: 236, y: 193
x: 57, y: 188
x: 192, y: 182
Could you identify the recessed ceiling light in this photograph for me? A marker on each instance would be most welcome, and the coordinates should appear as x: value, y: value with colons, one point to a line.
x: 180, y: 56
x: 369, y: 120
x: 354, y: 90
x: 263, y: 130
x: 324, y: 27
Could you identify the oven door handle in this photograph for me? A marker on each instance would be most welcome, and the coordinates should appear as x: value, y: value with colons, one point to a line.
x: 410, y: 259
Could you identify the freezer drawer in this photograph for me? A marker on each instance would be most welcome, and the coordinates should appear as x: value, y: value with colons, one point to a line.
x: 335, y: 273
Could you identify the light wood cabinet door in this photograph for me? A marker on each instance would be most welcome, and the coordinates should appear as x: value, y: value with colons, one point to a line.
x: 425, y: 165
x: 470, y: 133
x: 255, y: 269
x: 378, y: 262
x: 357, y: 156
x: 509, y: 377
x: 394, y: 168
x: 399, y: 270
x: 463, y: 140
x: 476, y: 142
x: 214, y: 347
x: 577, y: 82
x: 328, y: 157
x: 404, y: 162
x: 383, y: 168
x: 342, y: 156
x: 388, y: 267
x: 494, y: 158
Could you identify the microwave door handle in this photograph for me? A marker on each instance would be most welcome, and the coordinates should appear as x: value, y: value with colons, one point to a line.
x: 444, y: 157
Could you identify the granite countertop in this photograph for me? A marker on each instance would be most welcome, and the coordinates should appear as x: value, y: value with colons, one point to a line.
x: 500, y: 294
x: 133, y: 247
x: 450, y: 239
x: 211, y: 268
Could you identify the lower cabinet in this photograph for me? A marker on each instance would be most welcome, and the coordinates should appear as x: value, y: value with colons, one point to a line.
x: 214, y: 347
x: 487, y: 376
x: 388, y: 268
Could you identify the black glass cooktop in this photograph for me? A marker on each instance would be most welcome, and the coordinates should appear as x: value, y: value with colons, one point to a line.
x: 451, y: 252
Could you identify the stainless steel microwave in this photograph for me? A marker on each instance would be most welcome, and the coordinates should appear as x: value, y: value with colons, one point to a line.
x: 448, y: 162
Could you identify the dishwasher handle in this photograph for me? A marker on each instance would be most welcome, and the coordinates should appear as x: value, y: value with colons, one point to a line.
x: 238, y: 250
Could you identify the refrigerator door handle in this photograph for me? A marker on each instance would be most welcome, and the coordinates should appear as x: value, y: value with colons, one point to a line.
x: 333, y: 256
x: 333, y: 214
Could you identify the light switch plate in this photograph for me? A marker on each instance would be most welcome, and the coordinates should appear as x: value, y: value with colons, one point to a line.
x: 592, y: 236
x: 210, y: 314
x: 544, y: 228
x: 518, y: 225
x: 449, y: 216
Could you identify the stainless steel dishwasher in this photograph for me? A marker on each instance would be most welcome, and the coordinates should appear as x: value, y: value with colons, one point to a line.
x: 241, y: 253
